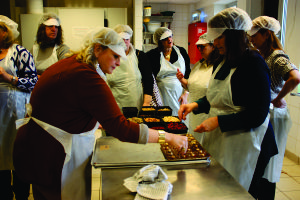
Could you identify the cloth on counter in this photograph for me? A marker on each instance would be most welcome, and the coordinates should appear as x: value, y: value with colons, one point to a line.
x: 149, y: 183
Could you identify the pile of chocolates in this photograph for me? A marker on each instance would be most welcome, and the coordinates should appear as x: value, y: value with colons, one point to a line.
x: 194, y: 152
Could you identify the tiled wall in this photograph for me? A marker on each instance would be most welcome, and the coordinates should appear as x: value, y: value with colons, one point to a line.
x: 292, y: 43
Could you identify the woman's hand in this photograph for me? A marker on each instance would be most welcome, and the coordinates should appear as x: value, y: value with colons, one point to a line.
x: 208, y: 125
x: 183, y: 98
x: 186, y: 109
x: 180, y: 142
x: 181, y: 78
x: 281, y: 103
x: 4, y: 76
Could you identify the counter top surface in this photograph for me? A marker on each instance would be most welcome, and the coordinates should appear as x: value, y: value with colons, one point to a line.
x: 190, y: 182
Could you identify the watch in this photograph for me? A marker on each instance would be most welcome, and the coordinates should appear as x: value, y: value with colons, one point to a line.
x: 161, y: 136
x: 13, y: 79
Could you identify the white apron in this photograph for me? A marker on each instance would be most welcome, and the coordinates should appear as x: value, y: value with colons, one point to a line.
x: 126, y: 82
x: 281, y: 122
x: 237, y: 151
x: 42, y: 65
x: 168, y: 84
x: 12, y: 108
x: 197, y: 87
x: 78, y: 149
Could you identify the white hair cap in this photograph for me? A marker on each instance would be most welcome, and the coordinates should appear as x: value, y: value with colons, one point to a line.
x: 265, y: 22
x: 229, y: 18
x: 51, y: 22
x: 124, y: 31
x: 11, y: 24
x: 106, y: 37
x: 203, y: 40
x: 161, y: 33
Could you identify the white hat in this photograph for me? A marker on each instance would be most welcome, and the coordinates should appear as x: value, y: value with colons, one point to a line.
x: 229, y: 18
x: 11, y: 24
x: 51, y: 22
x: 161, y: 33
x: 118, y: 50
x: 203, y: 40
x: 125, y: 35
x: 265, y: 22
x: 106, y: 37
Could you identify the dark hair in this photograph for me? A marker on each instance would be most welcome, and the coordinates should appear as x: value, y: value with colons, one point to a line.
x: 236, y: 42
x: 213, y: 56
x: 9, y: 39
x: 43, y: 40
x: 272, y: 43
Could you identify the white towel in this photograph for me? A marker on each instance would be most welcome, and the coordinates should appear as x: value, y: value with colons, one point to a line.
x: 149, y: 183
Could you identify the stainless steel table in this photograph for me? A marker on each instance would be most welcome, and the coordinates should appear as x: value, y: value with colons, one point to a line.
x: 194, y: 180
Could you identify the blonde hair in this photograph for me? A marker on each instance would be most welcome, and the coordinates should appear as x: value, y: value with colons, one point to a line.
x: 103, y: 36
x: 9, y: 39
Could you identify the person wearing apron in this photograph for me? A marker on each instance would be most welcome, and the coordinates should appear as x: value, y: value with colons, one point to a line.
x: 238, y: 131
x: 17, y: 78
x: 54, y: 143
x: 49, y: 47
x: 197, y: 83
x: 165, y: 60
x: 126, y: 81
x: 284, y: 78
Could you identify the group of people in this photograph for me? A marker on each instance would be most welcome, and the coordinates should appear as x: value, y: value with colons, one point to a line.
x: 245, y: 120
x: 229, y: 92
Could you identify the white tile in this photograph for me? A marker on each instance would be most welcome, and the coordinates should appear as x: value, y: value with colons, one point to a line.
x: 294, y: 131
x: 291, y: 144
x: 288, y: 184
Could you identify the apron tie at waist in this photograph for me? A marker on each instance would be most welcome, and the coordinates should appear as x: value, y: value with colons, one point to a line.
x: 62, y: 136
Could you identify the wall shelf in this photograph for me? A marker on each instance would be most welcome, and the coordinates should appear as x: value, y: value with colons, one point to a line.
x: 161, y: 18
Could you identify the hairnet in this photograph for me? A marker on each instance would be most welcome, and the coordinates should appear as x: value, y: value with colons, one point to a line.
x: 265, y: 22
x: 11, y: 24
x: 161, y: 33
x: 203, y: 40
x: 124, y: 31
x: 229, y: 18
x: 48, y: 16
x: 106, y: 37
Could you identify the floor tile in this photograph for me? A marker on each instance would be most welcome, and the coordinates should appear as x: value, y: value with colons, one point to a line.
x: 280, y: 196
x: 287, y: 161
x: 292, y: 170
x: 288, y: 184
x: 297, y: 179
x: 293, y: 195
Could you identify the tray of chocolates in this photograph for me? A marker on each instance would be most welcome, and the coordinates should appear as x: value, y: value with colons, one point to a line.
x: 194, y: 152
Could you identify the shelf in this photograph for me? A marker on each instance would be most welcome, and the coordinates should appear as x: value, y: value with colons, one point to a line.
x: 161, y: 18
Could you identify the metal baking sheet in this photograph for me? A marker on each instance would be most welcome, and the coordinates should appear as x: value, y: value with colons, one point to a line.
x: 110, y: 152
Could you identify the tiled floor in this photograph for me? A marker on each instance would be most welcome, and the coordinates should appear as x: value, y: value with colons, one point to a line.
x: 287, y: 189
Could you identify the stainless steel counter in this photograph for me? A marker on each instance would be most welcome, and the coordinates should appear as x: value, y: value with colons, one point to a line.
x: 190, y: 182
x: 197, y: 179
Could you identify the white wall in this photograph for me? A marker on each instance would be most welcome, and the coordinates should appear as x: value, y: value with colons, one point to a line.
x: 292, y: 44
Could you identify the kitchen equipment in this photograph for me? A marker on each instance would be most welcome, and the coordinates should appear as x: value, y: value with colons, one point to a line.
x: 147, y: 11
x: 153, y: 25
x: 167, y: 13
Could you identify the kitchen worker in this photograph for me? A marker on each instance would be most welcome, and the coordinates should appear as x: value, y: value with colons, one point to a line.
x: 165, y: 60
x: 49, y: 46
x: 284, y: 78
x: 238, y: 134
x: 127, y: 80
x: 17, y: 79
x: 54, y: 144
x: 197, y: 83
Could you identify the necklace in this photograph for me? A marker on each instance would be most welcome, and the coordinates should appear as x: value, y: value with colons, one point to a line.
x: 168, y: 54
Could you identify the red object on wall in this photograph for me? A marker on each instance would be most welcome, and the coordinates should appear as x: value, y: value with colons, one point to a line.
x: 195, y: 31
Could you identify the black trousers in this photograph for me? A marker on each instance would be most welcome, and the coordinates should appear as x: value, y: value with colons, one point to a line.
x: 9, y: 188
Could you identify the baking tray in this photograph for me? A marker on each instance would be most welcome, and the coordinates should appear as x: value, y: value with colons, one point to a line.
x: 110, y: 152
